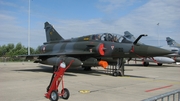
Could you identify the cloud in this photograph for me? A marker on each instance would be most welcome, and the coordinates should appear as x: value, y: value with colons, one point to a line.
x: 145, y: 18
x: 4, y: 3
x: 9, y: 32
x: 139, y: 20
x: 109, y: 6
x: 148, y: 15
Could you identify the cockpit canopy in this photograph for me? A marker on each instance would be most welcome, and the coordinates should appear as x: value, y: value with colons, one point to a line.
x: 111, y: 37
x: 103, y: 37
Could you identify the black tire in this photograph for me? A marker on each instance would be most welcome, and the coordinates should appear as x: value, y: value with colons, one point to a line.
x: 146, y: 63
x: 87, y: 68
x: 119, y: 73
x: 115, y: 74
x: 54, y: 96
x: 66, y: 93
x: 159, y: 64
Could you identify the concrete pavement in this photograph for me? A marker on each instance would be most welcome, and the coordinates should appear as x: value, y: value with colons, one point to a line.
x: 26, y: 81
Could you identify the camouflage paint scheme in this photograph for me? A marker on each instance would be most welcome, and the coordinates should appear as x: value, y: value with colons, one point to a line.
x: 89, y: 51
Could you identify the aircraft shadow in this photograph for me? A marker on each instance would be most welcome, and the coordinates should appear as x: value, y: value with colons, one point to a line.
x: 94, y: 72
x: 42, y: 69
x: 152, y: 65
x: 69, y: 72
x: 133, y: 76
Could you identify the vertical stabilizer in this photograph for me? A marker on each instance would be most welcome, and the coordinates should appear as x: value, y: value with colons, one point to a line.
x: 129, y: 38
x: 51, y: 33
x: 128, y: 35
x: 172, y: 42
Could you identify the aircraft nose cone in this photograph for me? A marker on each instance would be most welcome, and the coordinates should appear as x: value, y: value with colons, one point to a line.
x: 156, y: 51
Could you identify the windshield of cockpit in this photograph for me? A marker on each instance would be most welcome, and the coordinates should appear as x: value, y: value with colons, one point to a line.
x: 108, y: 37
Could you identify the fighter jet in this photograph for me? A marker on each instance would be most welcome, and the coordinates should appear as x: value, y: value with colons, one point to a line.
x: 91, y: 50
x: 175, y: 48
x: 172, y: 42
x: 129, y: 38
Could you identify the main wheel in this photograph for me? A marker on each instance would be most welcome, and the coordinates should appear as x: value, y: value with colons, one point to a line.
x: 87, y: 68
x: 159, y: 64
x: 65, y: 93
x: 120, y: 74
x: 146, y: 63
x: 115, y: 74
x: 54, y: 96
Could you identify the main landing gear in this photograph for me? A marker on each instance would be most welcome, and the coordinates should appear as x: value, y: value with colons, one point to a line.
x: 87, y: 68
x: 119, y: 67
x: 56, y: 79
x: 146, y: 63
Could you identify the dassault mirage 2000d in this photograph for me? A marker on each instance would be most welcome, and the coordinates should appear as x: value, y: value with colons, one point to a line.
x: 91, y: 50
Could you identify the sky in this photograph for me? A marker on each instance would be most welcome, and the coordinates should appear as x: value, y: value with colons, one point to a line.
x: 74, y: 18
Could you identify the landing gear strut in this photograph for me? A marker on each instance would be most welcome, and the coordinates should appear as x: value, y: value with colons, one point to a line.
x: 119, y: 68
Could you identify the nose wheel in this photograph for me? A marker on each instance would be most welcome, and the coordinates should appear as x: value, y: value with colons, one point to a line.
x: 119, y: 71
x: 117, y: 74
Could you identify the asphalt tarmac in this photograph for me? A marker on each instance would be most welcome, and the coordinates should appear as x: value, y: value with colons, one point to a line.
x: 26, y: 81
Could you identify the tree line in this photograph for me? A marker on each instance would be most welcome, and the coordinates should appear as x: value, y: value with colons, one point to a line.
x: 10, y: 52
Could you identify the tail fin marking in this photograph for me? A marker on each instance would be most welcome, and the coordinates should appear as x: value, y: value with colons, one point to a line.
x: 51, y: 33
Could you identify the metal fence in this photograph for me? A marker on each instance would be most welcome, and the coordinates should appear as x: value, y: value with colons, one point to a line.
x: 169, y: 96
